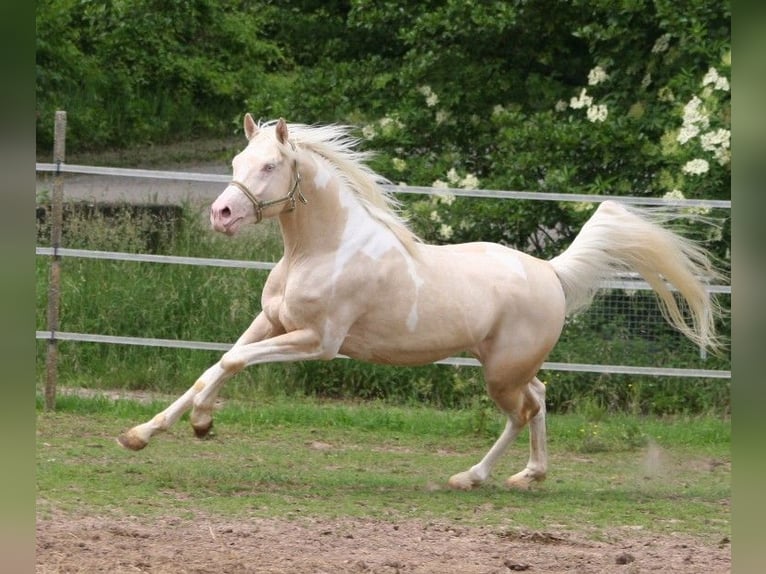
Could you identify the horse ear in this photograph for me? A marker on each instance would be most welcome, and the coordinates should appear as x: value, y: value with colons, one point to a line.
x: 282, y: 131
x: 251, y: 129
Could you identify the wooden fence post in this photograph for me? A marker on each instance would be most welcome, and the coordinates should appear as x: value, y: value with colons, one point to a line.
x: 54, y: 283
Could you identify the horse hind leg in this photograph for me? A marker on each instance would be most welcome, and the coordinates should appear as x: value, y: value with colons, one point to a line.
x: 521, y: 406
x: 479, y: 472
x: 537, y: 466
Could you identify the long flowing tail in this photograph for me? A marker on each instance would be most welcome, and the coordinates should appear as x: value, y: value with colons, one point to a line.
x: 617, y: 239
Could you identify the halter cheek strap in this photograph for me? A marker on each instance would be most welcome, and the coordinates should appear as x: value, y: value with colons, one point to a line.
x: 289, y: 198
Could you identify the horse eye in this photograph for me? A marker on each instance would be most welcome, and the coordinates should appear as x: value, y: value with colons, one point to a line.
x: 269, y: 167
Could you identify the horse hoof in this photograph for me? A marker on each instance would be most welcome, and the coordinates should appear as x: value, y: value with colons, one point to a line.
x: 130, y: 441
x: 462, y: 481
x: 202, y: 431
x: 523, y: 480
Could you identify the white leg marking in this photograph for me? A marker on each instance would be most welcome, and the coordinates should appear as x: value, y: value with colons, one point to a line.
x: 137, y: 437
x: 537, y: 466
x: 478, y: 473
x: 207, y: 386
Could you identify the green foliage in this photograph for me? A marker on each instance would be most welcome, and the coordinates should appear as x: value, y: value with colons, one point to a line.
x: 139, y: 71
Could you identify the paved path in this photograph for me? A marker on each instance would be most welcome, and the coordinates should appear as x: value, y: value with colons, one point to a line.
x: 112, y: 189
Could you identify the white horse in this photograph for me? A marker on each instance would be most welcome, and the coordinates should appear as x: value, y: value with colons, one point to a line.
x: 355, y: 280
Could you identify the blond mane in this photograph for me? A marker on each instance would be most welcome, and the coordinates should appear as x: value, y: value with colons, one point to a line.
x: 334, y: 144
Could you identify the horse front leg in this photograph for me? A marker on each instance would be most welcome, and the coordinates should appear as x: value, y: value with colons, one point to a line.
x: 200, y: 397
x: 212, y: 380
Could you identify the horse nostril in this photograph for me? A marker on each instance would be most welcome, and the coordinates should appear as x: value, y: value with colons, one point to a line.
x: 225, y: 212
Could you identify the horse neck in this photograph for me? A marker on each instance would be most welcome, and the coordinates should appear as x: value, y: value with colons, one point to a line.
x: 317, y: 225
x: 332, y: 218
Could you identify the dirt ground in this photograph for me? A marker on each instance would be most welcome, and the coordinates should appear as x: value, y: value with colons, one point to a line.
x: 67, y: 544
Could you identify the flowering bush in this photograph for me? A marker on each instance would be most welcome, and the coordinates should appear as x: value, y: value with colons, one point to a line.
x: 639, y: 106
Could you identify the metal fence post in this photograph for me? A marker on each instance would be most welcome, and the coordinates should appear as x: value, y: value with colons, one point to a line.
x: 54, y: 283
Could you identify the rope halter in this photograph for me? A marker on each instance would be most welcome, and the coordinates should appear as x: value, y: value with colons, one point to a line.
x: 289, y: 198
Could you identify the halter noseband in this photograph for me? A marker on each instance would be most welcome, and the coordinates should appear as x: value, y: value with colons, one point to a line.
x: 290, y: 197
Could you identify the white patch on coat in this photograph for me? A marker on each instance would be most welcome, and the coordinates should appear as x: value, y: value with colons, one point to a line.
x: 412, y: 318
x: 363, y: 234
x: 331, y: 339
x: 322, y: 177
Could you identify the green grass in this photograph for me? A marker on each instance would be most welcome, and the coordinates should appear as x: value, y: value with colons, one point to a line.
x: 307, y: 458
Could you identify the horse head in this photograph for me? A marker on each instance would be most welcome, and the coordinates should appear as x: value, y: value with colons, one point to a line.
x: 265, y: 180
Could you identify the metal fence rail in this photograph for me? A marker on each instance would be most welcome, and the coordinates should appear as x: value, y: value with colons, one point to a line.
x: 626, y: 283
x: 478, y: 193
x: 52, y: 335
x: 453, y: 361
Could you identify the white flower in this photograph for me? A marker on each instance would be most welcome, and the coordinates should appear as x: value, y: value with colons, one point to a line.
x: 445, y: 198
x: 581, y: 101
x: 596, y: 76
x: 425, y: 90
x: 694, y: 113
x: 688, y: 131
x: 716, y: 80
x: 646, y: 81
x: 720, y: 138
x: 661, y: 44
x: 431, y: 98
x: 497, y: 110
x: 722, y: 84
x: 696, y: 167
x: 389, y: 124
x: 369, y: 132
x: 561, y: 105
x: 399, y: 164
x: 439, y: 184
x: 470, y: 181
x: 711, y: 77
x: 452, y: 176
x: 597, y: 113
x: 436, y: 217
x: 445, y: 231
x: 723, y: 155
x: 675, y: 194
